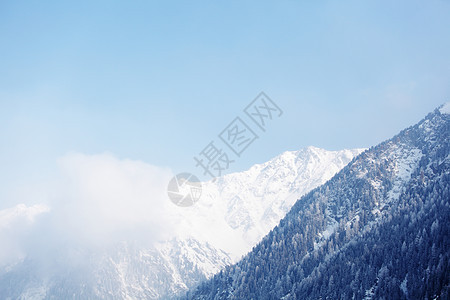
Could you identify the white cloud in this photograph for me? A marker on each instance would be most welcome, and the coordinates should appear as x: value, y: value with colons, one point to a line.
x: 98, y: 200
x: 15, y: 223
x: 445, y: 109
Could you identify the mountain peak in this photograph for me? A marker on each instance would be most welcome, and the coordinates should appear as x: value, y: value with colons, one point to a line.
x: 246, y: 205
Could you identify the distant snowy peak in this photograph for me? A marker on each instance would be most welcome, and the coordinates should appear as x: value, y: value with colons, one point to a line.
x: 298, y: 158
x: 305, y: 162
x: 238, y: 209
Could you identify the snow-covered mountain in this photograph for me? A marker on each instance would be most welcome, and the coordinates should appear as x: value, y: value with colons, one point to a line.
x: 234, y: 213
x: 377, y: 230
x: 238, y: 209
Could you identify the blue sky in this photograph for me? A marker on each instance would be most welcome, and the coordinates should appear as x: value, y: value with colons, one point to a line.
x: 156, y: 81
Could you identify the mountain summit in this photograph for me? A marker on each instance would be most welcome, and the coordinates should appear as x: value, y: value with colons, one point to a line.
x: 238, y: 209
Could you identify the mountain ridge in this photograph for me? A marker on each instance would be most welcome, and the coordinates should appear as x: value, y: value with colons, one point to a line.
x: 292, y: 261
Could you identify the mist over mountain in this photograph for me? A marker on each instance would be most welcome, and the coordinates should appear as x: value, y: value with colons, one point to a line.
x: 377, y: 230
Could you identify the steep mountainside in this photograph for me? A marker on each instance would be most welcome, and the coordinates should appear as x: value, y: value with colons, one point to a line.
x: 378, y: 229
